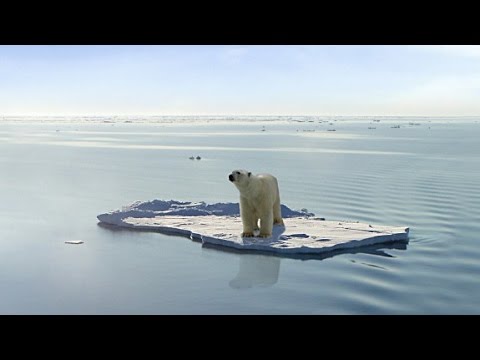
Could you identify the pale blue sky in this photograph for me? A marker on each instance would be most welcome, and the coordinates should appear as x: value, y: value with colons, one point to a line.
x: 240, y: 80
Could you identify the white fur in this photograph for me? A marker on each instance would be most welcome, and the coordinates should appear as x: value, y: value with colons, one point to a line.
x: 259, y: 200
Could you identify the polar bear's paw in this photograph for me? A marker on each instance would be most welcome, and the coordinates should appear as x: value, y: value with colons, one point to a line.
x: 264, y: 235
x: 278, y: 222
x: 247, y: 234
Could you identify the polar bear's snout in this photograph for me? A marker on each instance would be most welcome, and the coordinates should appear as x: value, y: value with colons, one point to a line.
x: 239, y: 176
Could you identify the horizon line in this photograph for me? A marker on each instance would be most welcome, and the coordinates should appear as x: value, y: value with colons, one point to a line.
x: 221, y: 115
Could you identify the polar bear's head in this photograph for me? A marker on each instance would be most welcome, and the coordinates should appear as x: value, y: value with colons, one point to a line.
x: 240, y: 177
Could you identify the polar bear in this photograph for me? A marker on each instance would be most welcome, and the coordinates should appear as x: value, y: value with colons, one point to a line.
x: 259, y: 199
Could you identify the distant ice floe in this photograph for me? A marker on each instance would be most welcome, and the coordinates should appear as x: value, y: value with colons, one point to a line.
x: 220, y: 225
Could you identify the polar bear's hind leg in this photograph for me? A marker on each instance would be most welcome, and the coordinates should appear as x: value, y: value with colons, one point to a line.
x: 277, y: 213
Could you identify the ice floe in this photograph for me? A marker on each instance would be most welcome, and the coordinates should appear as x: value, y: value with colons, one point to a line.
x: 220, y: 225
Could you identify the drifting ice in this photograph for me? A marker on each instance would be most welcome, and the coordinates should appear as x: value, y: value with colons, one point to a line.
x: 220, y: 224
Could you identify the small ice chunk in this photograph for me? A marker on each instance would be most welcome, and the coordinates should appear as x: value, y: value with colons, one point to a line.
x: 75, y: 242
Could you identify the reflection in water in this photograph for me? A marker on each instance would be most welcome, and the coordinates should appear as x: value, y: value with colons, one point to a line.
x: 263, y: 270
x: 256, y: 270
x: 376, y: 249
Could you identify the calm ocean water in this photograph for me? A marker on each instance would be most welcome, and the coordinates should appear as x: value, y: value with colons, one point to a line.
x: 56, y: 175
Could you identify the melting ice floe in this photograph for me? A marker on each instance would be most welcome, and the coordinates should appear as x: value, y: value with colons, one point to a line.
x: 220, y: 224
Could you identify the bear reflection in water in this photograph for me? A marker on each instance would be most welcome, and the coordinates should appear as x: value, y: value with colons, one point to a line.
x: 256, y: 271
x: 263, y: 270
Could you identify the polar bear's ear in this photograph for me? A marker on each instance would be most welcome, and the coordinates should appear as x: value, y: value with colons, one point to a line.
x: 249, y: 174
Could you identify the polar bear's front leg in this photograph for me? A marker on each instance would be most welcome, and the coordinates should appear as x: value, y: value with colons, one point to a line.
x: 248, y: 218
x: 266, y: 223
